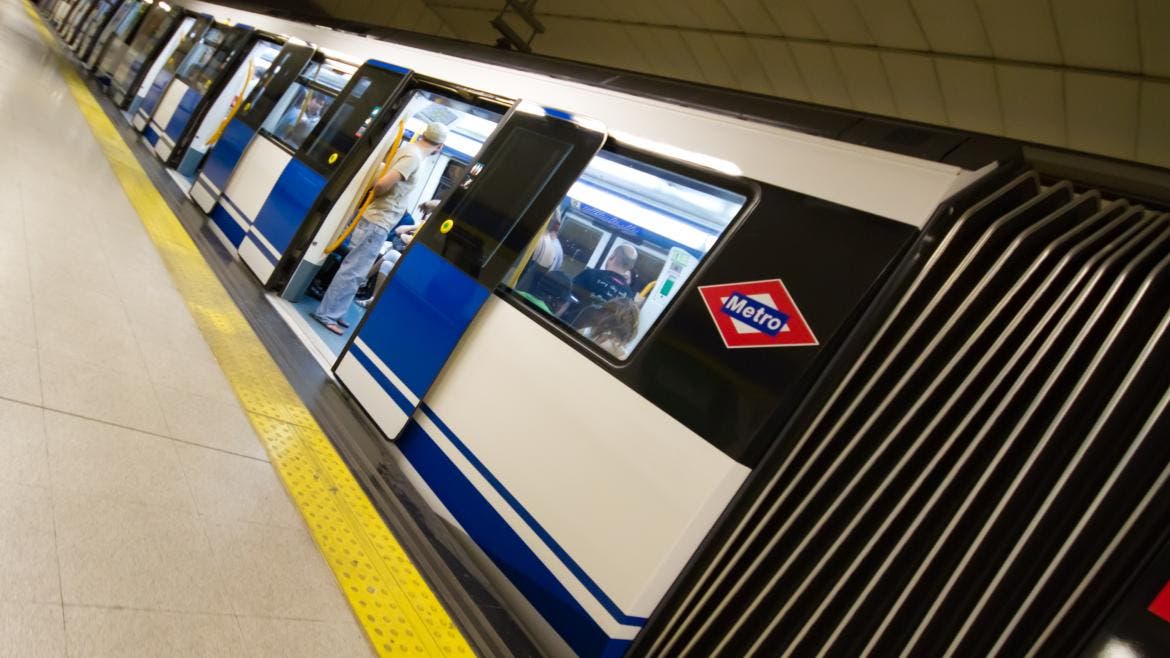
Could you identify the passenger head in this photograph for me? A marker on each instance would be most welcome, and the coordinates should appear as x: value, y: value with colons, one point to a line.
x: 614, y: 325
x: 555, y: 290
x: 555, y: 221
x: 433, y: 137
x: 622, y: 259
x: 316, y: 104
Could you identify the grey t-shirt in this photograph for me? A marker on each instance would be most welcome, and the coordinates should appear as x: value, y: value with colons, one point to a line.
x: 388, y: 209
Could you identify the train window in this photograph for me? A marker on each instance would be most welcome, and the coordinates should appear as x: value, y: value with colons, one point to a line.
x: 351, y: 120
x: 305, y: 102
x: 619, y: 247
x: 200, y: 55
x: 304, y: 110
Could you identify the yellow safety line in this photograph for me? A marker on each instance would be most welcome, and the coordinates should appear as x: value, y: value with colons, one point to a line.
x: 398, y: 611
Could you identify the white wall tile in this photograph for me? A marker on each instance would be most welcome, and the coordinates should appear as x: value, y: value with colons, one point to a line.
x: 970, y: 91
x: 744, y: 63
x: 953, y: 26
x: 865, y: 77
x: 914, y: 84
x: 1153, y: 140
x: 819, y: 70
x: 715, y: 69
x: 780, y: 68
x: 1102, y: 113
x: 1021, y: 30
x: 751, y: 16
x: 1154, y: 19
x: 892, y: 23
x: 1100, y: 35
x: 840, y: 21
x: 1033, y: 103
x: 793, y: 19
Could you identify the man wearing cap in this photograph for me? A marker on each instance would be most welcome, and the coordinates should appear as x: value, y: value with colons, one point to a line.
x: 391, y: 193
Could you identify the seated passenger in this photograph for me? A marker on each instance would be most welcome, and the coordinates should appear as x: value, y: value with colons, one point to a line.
x: 595, y: 286
x: 612, y: 326
x: 550, y: 292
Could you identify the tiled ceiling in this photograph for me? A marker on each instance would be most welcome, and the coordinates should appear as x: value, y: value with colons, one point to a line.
x: 1089, y: 75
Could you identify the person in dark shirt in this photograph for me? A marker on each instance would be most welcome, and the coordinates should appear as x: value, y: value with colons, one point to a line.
x: 594, y: 286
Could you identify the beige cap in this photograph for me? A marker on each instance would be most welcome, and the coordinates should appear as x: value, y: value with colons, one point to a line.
x: 436, y: 133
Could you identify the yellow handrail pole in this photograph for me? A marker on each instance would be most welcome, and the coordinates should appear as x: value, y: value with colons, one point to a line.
x: 369, y: 198
x: 235, y: 108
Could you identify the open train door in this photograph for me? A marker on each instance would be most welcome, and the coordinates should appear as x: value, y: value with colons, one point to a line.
x: 441, y: 282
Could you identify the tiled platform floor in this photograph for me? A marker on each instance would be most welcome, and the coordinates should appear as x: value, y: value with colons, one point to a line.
x: 138, y: 516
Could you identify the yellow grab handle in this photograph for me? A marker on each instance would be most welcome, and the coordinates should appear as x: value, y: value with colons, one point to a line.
x: 369, y: 198
x: 232, y: 113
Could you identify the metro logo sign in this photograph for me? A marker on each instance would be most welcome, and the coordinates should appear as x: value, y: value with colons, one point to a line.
x: 756, y: 314
x: 1161, y: 604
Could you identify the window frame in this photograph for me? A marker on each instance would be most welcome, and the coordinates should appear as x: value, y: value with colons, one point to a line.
x: 746, y: 187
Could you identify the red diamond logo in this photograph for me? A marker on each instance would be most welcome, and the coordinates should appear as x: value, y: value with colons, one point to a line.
x: 756, y: 314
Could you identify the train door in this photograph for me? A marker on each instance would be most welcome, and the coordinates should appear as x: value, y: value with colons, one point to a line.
x: 289, y: 66
x: 59, y: 13
x: 202, y: 132
x: 322, y: 242
x: 201, y: 74
x: 158, y: 29
x: 80, y: 11
x: 148, y: 15
x: 164, y: 70
x: 277, y: 185
x: 440, y: 283
x: 95, y: 25
x: 123, y: 21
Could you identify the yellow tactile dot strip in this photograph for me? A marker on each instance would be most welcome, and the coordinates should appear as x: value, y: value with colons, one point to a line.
x: 399, y: 613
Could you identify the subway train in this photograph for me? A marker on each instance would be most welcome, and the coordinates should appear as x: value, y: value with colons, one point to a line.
x: 693, y: 372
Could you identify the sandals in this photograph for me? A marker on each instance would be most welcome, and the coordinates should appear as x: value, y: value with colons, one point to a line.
x: 336, y: 327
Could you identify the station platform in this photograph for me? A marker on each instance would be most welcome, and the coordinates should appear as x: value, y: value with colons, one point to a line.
x: 157, y: 471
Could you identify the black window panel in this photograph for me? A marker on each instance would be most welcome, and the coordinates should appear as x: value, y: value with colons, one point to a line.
x: 155, y: 27
x: 507, y: 193
x: 349, y: 118
x: 486, y: 212
x: 284, y: 70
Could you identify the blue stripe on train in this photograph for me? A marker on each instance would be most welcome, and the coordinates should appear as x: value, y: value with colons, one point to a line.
x: 399, y: 399
x: 155, y: 93
x: 288, y: 204
x: 227, y: 152
x: 151, y: 135
x: 182, y: 115
x: 504, y: 547
x: 427, y: 304
x: 227, y: 224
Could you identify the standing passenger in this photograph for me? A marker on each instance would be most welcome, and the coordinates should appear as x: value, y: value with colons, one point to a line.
x: 390, y: 197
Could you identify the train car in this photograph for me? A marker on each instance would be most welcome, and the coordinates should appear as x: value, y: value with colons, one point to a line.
x: 154, y: 22
x: 286, y: 250
x: 76, y: 16
x: 284, y: 171
x: 772, y: 339
x: 291, y: 98
x: 59, y: 12
x: 161, y: 29
x: 121, y: 25
x: 557, y: 429
x: 223, y: 69
x: 87, y: 33
x: 162, y: 72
